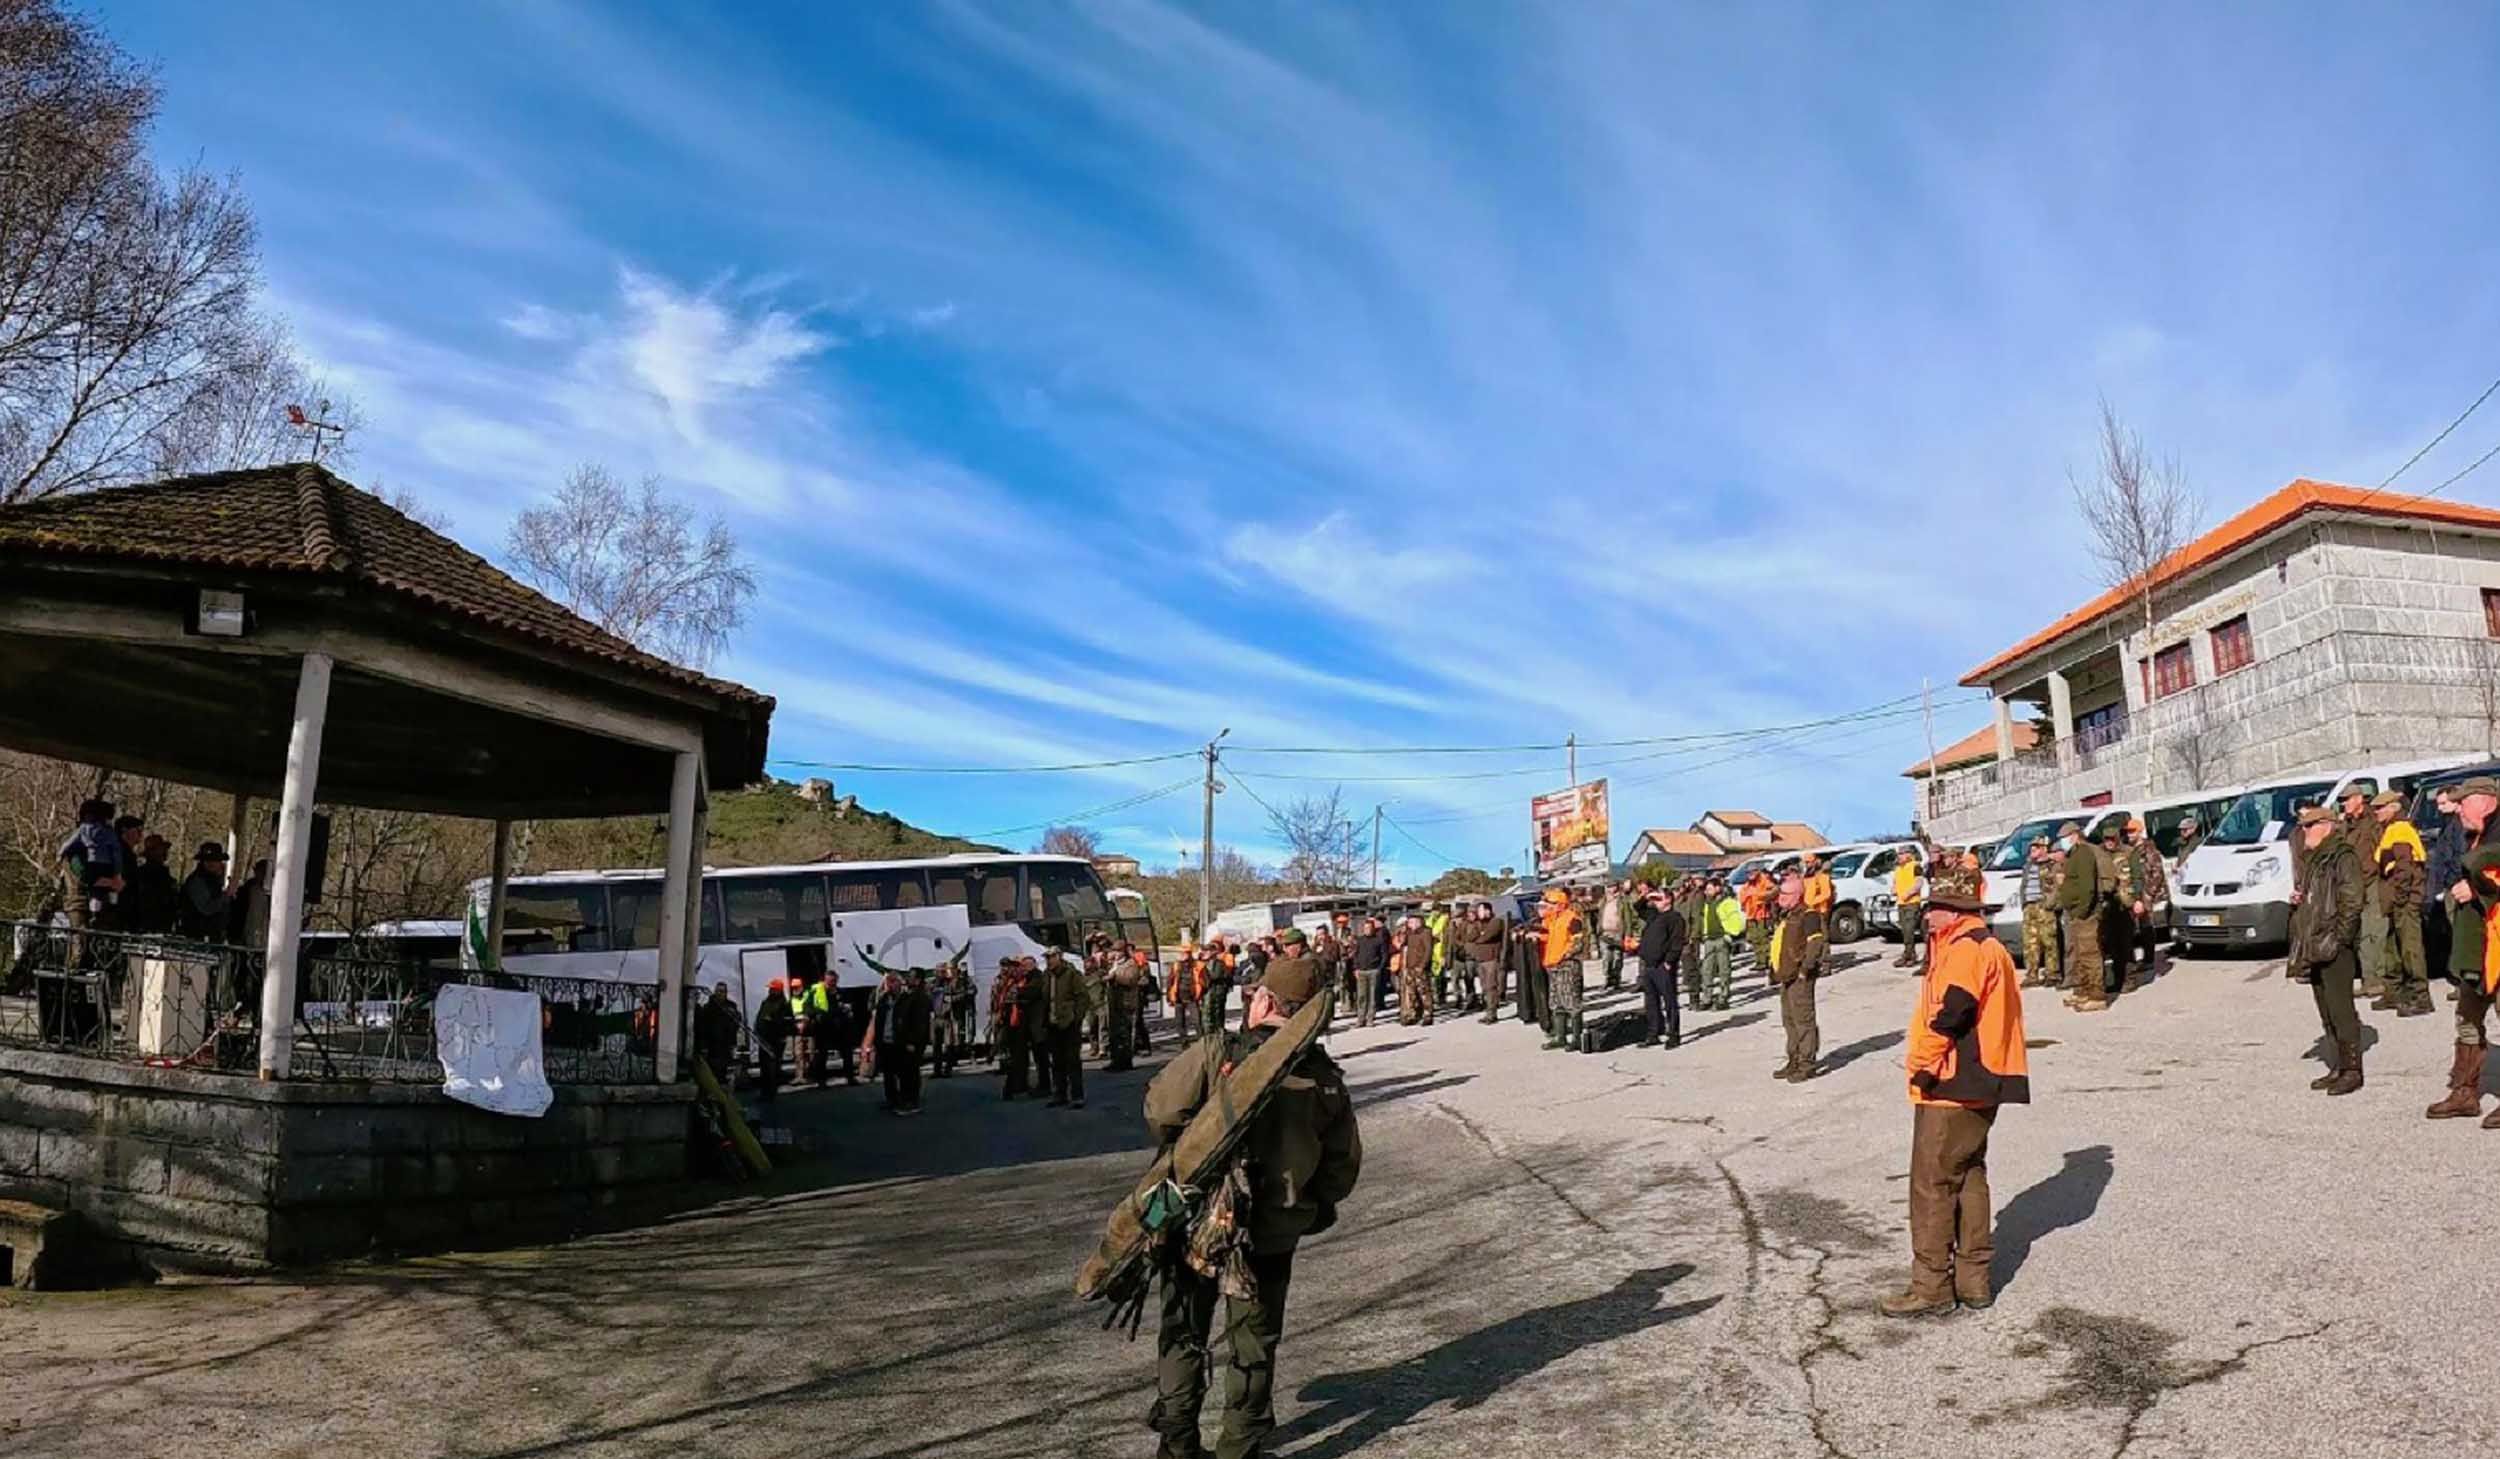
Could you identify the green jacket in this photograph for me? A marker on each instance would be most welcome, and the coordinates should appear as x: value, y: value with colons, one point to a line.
x: 2079, y: 889
x: 1067, y: 996
x: 1305, y: 1151
x: 2327, y: 922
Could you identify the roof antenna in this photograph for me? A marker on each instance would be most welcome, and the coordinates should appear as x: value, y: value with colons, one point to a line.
x: 323, y: 432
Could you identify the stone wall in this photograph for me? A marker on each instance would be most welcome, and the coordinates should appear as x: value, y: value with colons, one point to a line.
x: 2372, y: 646
x: 214, y: 1173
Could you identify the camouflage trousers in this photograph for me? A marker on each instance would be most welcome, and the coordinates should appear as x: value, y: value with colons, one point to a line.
x: 2040, y: 945
x: 1415, y: 997
x: 1567, y: 995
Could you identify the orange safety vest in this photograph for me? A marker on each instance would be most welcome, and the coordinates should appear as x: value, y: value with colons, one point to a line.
x: 1966, y: 1037
x: 1562, y: 935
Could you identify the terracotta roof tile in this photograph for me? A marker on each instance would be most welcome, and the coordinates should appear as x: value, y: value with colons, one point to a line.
x: 303, y: 519
x: 1977, y: 748
x: 1682, y: 843
x: 1737, y: 820
x: 2284, y: 507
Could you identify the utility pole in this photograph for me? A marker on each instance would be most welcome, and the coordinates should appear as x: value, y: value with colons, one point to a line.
x: 1206, y: 843
x: 1571, y: 748
x: 1927, y: 712
x: 1376, y: 810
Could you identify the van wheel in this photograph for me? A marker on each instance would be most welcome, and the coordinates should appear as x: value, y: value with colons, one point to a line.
x: 1848, y: 924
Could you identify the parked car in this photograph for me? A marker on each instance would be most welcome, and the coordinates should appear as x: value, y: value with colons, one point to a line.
x: 2235, y: 890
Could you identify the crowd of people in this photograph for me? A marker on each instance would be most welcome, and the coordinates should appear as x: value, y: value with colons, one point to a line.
x: 114, y: 877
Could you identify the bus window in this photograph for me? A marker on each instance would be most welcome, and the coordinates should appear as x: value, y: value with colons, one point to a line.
x: 1063, y: 893
x: 878, y: 891
x: 988, y: 894
x: 557, y: 918
x: 770, y: 908
x: 636, y: 906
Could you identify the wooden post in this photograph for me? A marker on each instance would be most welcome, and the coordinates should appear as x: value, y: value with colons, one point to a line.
x: 287, y: 869
x: 676, y: 899
x: 496, y: 881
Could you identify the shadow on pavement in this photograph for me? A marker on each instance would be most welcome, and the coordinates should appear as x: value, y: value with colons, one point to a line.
x: 1741, y: 1020
x: 1404, y: 1086
x: 1376, y: 1049
x: 1466, y: 1371
x: 1849, y: 1053
x: 2065, y: 1199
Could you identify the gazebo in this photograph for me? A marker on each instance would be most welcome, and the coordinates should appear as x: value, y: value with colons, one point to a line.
x: 279, y: 634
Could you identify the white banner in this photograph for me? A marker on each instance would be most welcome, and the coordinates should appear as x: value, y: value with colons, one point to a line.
x: 488, y: 1040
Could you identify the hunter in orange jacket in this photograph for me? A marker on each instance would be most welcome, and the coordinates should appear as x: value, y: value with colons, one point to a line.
x: 1966, y: 1057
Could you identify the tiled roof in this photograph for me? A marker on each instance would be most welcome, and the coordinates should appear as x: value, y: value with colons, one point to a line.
x: 1682, y: 843
x: 1977, y: 748
x: 1737, y: 820
x: 1795, y: 836
x: 2275, y: 512
x: 302, y: 519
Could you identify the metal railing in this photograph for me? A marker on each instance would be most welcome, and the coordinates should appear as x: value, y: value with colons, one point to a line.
x: 172, y: 1003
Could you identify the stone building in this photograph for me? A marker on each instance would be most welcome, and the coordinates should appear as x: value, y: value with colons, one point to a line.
x: 2324, y: 626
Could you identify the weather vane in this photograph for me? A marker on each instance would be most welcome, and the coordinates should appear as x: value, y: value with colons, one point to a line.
x: 323, y: 432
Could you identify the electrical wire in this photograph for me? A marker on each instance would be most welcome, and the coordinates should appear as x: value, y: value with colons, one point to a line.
x: 2443, y: 435
x: 1699, y: 738
x: 1417, y: 844
x: 2468, y: 471
x: 1125, y: 803
x: 984, y: 769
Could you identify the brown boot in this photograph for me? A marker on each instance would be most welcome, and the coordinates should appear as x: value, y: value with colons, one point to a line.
x: 1914, y: 1303
x: 2334, y: 1068
x: 2348, y: 1079
x: 2465, y: 1086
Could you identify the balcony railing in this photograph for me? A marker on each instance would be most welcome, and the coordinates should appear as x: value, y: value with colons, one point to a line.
x: 171, y: 1003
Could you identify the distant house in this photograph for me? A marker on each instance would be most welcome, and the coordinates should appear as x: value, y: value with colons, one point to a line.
x: 1115, y: 867
x: 1722, y: 838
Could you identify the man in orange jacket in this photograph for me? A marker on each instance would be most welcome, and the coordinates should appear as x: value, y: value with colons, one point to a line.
x: 1965, y: 1059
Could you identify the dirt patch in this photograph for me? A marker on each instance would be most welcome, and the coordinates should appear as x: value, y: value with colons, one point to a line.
x: 1802, y: 1218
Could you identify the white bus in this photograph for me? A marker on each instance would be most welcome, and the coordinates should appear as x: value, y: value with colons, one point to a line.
x: 762, y: 924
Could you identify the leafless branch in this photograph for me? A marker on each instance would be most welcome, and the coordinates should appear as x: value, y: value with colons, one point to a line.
x: 632, y: 561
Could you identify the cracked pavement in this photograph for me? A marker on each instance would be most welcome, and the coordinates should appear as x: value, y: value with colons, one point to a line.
x: 1637, y: 1253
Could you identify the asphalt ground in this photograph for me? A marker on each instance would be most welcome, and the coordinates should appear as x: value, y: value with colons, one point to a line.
x: 1639, y: 1252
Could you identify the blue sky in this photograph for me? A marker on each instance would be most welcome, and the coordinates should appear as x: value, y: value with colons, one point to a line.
x: 1089, y: 378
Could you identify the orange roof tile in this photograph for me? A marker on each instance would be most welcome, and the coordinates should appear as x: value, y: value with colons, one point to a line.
x: 1795, y: 836
x: 1977, y: 748
x: 2284, y: 507
x: 1737, y: 820
x: 1682, y: 843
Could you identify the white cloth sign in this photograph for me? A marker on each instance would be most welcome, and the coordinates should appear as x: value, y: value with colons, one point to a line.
x: 488, y: 1041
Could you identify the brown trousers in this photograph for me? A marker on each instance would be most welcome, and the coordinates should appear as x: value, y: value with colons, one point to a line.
x: 1951, y: 1244
x: 1805, y: 1040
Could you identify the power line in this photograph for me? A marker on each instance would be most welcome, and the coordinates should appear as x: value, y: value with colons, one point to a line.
x: 1683, y: 739
x: 1721, y: 742
x: 1417, y: 844
x: 2468, y: 471
x: 986, y: 769
x: 1125, y: 803
x: 2443, y: 435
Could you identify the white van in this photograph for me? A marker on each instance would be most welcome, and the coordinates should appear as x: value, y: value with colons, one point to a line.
x: 1846, y: 866
x: 2162, y: 819
x: 2235, y: 890
x: 2001, y: 875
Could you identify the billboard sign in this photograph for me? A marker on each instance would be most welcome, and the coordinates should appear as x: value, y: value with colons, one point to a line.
x: 1572, y: 835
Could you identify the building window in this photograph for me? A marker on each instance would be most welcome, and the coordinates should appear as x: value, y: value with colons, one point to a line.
x: 2233, y: 648
x: 2491, y: 611
x: 2174, y: 669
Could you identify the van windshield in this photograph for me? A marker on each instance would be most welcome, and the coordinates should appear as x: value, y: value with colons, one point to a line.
x: 1845, y: 867
x: 2245, y: 823
x: 2017, y: 843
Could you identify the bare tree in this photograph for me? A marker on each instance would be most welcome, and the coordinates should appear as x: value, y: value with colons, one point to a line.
x: 124, y: 297
x: 242, y: 418
x: 2137, y: 511
x: 632, y: 561
x: 1070, y: 841
x: 1322, y: 845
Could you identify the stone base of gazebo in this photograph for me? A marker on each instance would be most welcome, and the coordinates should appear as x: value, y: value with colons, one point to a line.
x: 186, y: 1171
